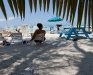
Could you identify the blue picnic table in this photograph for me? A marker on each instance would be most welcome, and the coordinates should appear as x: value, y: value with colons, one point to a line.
x: 74, y: 31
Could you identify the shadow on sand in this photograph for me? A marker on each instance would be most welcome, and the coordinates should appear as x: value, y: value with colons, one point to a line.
x: 51, y: 58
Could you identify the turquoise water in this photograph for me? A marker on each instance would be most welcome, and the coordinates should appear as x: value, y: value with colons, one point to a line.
x: 49, y: 28
x: 46, y: 28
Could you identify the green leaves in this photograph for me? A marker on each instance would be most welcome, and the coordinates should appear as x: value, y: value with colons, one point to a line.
x: 57, y: 7
x: 35, y: 5
x: 44, y: 3
x: 48, y: 4
x: 65, y: 4
x: 15, y: 6
x: 30, y: 5
x: 53, y: 5
x: 60, y: 7
x: 40, y: 4
x: 3, y: 8
x: 85, y: 12
x: 11, y: 6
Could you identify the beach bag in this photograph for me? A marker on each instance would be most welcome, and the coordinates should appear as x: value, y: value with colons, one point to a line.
x: 24, y: 42
x: 6, y: 43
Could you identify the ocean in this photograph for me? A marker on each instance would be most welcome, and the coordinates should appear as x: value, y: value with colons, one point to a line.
x: 52, y: 28
x: 47, y: 28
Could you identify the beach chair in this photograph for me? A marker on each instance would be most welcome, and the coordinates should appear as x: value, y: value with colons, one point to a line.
x: 6, y: 33
x: 39, y: 37
x: 51, y: 30
x: 25, y: 30
x: 16, y: 37
x: 1, y: 38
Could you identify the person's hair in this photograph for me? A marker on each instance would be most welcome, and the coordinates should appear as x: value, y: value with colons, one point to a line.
x: 39, y: 25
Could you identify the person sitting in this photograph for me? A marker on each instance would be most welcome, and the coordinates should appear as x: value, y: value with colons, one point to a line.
x: 39, y: 34
x: 6, y: 33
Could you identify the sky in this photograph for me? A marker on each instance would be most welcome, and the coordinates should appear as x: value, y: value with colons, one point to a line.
x: 31, y: 18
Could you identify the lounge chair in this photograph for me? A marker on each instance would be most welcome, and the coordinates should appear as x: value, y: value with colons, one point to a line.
x: 1, y: 38
x: 51, y: 30
x: 39, y: 37
x: 25, y: 30
x: 6, y: 33
x: 16, y: 37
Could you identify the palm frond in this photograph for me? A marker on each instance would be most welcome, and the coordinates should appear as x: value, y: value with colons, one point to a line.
x: 85, y: 12
x: 57, y: 6
x: 23, y: 8
x: 44, y: 3
x: 48, y: 4
x: 40, y: 4
x: 30, y: 5
x: 54, y: 4
x: 65, y: 4
x: 68, y: 8
x: 11, y: 6
x: 80, y: 12
x: 60, y: 7
x: 3, y: 8
x: 71, y: 13
x: 74, y: 10
x: 35, y: 5
x: 89, y: 3
x: 19, y: 8
x: 15, y: 6
x: 92, y: 15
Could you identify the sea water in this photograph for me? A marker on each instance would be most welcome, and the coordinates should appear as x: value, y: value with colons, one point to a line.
x: 48, y: 29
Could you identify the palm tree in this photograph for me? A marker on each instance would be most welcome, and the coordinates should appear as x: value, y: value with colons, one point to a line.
x: 85, y: 7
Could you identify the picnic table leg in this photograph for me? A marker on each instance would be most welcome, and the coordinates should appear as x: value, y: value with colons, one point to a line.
x: 69, y: 35
x: 76, y: 33
x: 60, y: 34
x: 87, y: 35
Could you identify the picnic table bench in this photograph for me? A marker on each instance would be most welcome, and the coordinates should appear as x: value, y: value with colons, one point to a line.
x: 74, y: 31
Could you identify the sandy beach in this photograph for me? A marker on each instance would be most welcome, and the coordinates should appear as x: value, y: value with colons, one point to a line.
x: 57, y: 56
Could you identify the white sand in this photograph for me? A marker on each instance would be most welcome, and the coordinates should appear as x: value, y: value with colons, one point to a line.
x: 56, y: 56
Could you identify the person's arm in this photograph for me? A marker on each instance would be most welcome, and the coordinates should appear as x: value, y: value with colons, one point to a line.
x: 34, y: 35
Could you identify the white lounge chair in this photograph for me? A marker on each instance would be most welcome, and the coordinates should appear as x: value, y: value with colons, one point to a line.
x: 40, y: 37
x: 25, y: 30
x: 1, y: 38
x: 16, y: 37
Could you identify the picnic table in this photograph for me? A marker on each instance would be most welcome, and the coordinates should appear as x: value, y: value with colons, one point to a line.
x: 74, y: 31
